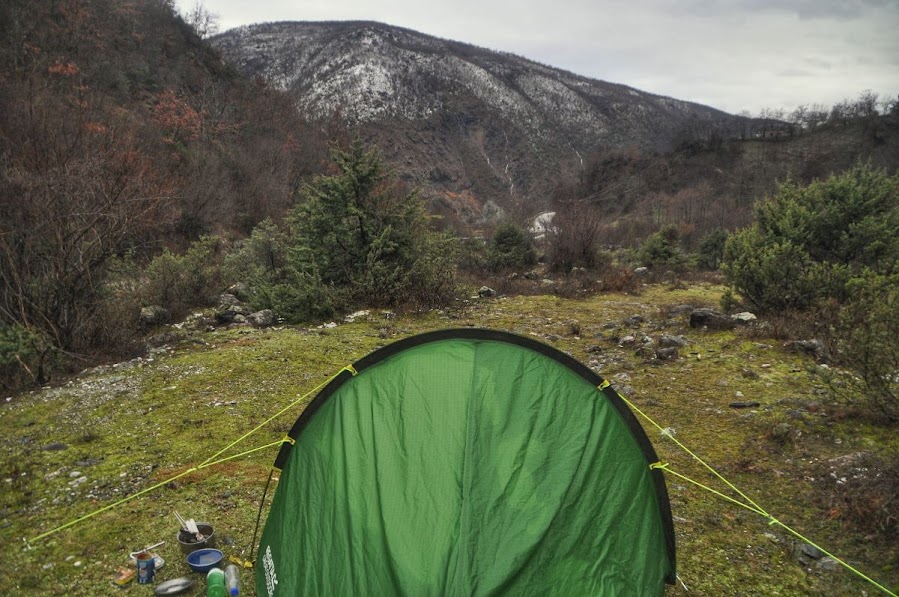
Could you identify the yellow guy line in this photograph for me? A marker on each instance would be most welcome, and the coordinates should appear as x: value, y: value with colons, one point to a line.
x: 751, y: 506
x: 211, y: 461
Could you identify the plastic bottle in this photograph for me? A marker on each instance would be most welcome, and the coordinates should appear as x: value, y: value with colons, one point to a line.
x: 232, y: 579
x: 215, y: 583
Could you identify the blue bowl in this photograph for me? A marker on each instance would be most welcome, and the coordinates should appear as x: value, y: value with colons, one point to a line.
x: 204, y: 560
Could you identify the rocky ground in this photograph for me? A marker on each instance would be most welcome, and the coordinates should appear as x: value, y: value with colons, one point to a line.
x: 754, y: 406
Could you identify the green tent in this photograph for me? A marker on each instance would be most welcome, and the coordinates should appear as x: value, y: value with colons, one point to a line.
x: 467, y: 462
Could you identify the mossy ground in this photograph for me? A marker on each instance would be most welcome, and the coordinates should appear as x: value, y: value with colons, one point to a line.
x: 128, y: 428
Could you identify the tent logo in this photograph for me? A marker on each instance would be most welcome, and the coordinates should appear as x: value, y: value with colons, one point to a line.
x: 268, y: 564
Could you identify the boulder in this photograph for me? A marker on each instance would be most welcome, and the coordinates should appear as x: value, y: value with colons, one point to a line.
x: 667, y: 354
x: 153, y: 315
x: 744, y: 318
x: 486, y: 292
x: 230, y: 314
x: 261, y: 319
x: 710, y: 319
x: 669, y: 341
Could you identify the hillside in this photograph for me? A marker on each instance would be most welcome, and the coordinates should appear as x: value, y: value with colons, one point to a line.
x: 467, y: 124
x: 121, y: 134
x: 118, y: 429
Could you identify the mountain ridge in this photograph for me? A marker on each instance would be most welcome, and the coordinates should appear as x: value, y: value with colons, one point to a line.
x: 455, y: 118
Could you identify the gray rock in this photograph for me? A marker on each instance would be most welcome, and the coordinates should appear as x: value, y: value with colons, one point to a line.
x: 827, y: 564
x: 261, y: 319
x: 814, y: 348
x: 55, y: 447
x: 633, y: 320
x: 669, y: 341
x: 228, y: 300
x: 710, y: 319
x: 782, y: 432
x: 743, y: 318
x: 680, y: 309
x: 152, y: 316
x: 486, y: 292
x: 811, y: 551
x: 531, y: 275
x: 231, y: 313
x: 667, y: 354
x: 641, y: 271
x: 627, y: 341
x: 748, y: 373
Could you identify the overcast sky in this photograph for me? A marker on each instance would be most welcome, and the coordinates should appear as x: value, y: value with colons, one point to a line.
x: 730, y: 54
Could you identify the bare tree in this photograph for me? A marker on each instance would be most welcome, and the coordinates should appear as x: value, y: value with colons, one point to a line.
x: 204, y: 22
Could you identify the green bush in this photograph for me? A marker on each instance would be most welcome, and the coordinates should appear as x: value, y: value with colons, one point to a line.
x: 182, y: 282
x: 298, y: 296
x: 808, y: 242
x: 357, y: 238
x: 662, y: 249
x: 24, y: 356
x: 510, y: 247
x: 868, y: 340
x: 711, y: 249
x: 260, y: 258
x: 832, y: 243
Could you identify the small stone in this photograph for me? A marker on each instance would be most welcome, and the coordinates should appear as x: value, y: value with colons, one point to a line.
x: 641, y: 271
x: 669, y: 341
x: 667, y: 354
x: 781, y: 432
x: 74, y: 474
x: 811, y: 551
x: 749, y: 373
x: 814, y: 348
x: 827, y: 564
x: 55, y: 447
x: 738, y: 394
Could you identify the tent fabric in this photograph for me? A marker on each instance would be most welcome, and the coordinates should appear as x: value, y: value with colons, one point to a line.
x: 467, y: 462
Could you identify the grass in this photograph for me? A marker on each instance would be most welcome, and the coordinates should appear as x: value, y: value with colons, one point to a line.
x: 129, y: 427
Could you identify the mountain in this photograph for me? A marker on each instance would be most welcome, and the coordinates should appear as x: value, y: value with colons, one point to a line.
x: 471, y: 126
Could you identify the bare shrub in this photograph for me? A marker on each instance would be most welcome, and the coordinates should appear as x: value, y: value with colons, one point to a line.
x: 862, y: 491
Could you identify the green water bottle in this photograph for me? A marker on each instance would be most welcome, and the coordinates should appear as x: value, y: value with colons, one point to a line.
x: 215, y: 583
